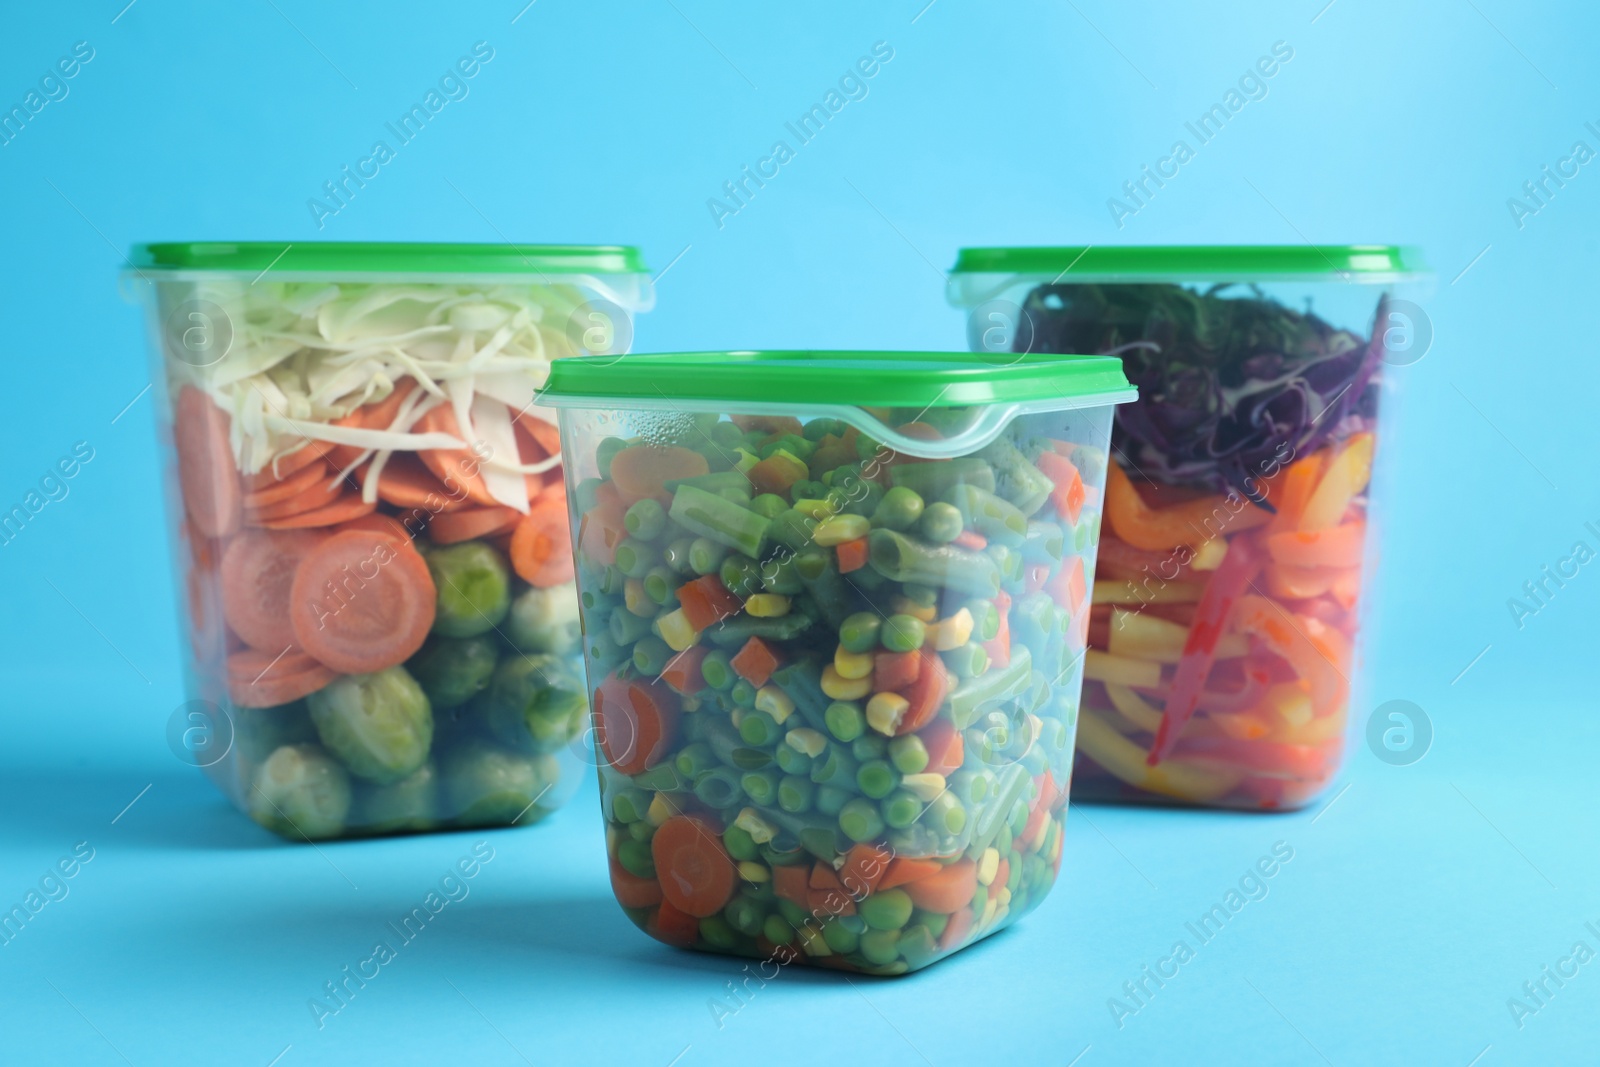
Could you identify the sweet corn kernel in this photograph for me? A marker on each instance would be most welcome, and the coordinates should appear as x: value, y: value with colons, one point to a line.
x: 988, y: 912
x: 636, y: 600
x: 676, y: 631
x: 811, y: 941
x: 767, y: 605
x: 906, y: 606
x: 1208, y: 557
x: 754, y: 872
x: 736, y: 716
x: 852, y: 665
x: 815, y: 509
x: 988, y: 866
x: 838, y: 687
x: 884, y: 712
x: 660, y: 810
x: 925, y: 786
x: 953, y: 632
x: 838, y: 529
x: 775, y: 702
x: 806, y: 741
x: 759, y: 830
x: 1003, y: 898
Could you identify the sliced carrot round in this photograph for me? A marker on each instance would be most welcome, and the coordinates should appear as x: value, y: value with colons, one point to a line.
x: 282, y: 467
x: 469, y: 524
x: 696, y: 874
x: 291, y: 486
x: 378, y: 415
x: 541, y: 544
x: 543, y: 432
x: 406, y: 483
x: 638, y: 471
x: 361, y: 602
x: 346, y: 507
x: 206, y: 471
x: 259, y: 679
x: 319, y: 494
x: 457, y: 468
x: 381, y: 523
x: 635, y: 723
x: 257, y: 573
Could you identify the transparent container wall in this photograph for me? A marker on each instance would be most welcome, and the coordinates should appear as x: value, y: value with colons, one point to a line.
x: 835, y: 684
x: 1269, y: 392
x: 370, y: 536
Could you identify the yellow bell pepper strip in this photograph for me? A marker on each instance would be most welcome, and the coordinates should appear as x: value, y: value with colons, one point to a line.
x: 1347, y: 475
x: 1126, y: 760
x: 1191, y: 523
x: 1227, y: 585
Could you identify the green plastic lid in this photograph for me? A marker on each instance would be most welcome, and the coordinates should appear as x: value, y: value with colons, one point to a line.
x: 1180, y: 262
x: 860, y: 379
x: 385, y: 257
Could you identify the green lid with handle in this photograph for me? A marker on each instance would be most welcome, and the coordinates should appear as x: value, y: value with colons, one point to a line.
x: 1361, y: 263
x: 863, y: 379
x: 385, y: 257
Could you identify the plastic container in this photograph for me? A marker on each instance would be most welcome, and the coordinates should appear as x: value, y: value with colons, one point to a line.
x: 369, y: 521
x: 1226, y: 614
x: 830, y: 647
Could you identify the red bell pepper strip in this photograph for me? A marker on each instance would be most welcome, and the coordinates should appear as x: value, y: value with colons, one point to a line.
x: 1227, y: 585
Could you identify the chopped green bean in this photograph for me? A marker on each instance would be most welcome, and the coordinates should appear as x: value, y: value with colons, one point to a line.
x: 860, y: 819
x: 845, y: 720
x: 908, y: 754
x: 645, y: 519
x: 877, y: 779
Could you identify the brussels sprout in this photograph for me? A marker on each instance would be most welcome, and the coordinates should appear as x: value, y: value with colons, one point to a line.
x: 380, y: 725
x: 474, y: 587
x: 259, y: 732
x: 535, y: 703
x: 411, y: 803
x: 300, y: 792
x: 546, y: 620
x: 489, y: 786
x: 453, y: 670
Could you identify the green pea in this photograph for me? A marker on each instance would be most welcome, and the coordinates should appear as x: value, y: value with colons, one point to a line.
x: 900, y: 809
x: 900, y: 509
x: 869, y: 747
x: 830, y: 799
x: 380, y: 725
x: 946, y: 813
x: 840, y: 938
x: 887, y: 909
x: 844, y: 721
x: 473, y: 587
x: 777, y: 930
x: 760, y: 786
x: 741, y: 575
x: 301, y: 792
x: 877, y: 779
x: 908, y: 754
x: 606, y: 451
x: 650, y: 655
x: 941, y: 522
x: 745, y: 914
x: 740, y: 845
x: 769, y: 505
x: 859, y: 632
x: 717, y: 670
x: 860, y: 819
x: 782, y: 575
x: 636, y: 859
x: 630, y: 805
x: 451, y: 671
x: 904, y: 633
x: 645, y: 519
x: 795, y: 793
x: 881, y: 947
x: 758, y: 729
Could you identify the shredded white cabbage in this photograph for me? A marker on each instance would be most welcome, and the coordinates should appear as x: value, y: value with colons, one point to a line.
x: 305, y: 354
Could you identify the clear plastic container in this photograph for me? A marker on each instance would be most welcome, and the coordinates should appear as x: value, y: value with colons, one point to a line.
x: 370, y: 524
x: 831, y: 645
x: 1226, y: 612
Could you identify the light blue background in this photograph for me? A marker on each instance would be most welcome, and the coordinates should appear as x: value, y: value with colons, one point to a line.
x: 1415, y: 905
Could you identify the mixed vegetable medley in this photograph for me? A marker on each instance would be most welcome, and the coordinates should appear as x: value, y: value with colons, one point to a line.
x: 834, y: 685
x: 1225, y: 605
x: 379, y: 569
